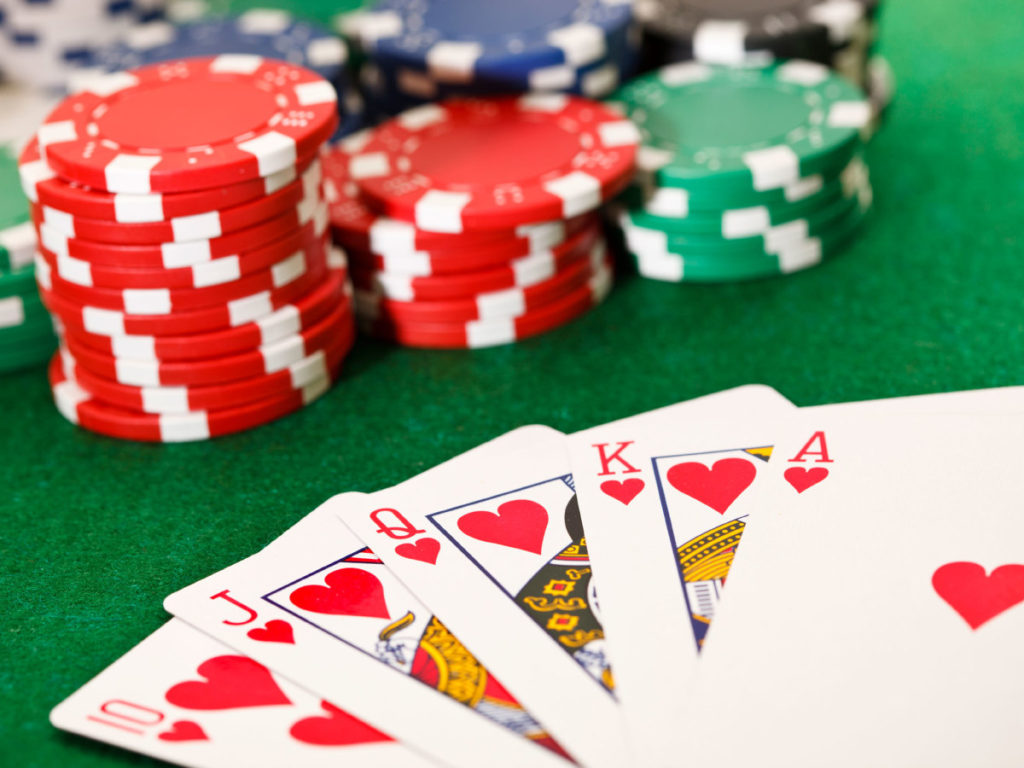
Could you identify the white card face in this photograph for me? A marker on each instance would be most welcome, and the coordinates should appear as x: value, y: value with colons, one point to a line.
x: 492, y: 542
x: 875, y: 614
x: 663, y: 500
x: 363, y: 641
x: 183, y: 697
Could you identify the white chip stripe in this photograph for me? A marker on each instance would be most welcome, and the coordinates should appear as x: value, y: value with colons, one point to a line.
x: 453, y: 62
x: 579, y: 192
x: 772, y: 167
x: 148, y: 301
x: 289, y: 270
x: 67, y: 395
x: 103, y: 322
x: 133, y: 347
x: 481, y: 333
x: 138, y: 373
x: 130, y: 173
x: 32, y: 175
x: 164, y: 399
x: 273, y: 152
x: 534, y: 268
x: 180, y: 428
x: 201, y: 226
x: 720, y: 41
x: 12, y: 312
x: 132, y: 209
x: 216, y: 272
x: 245, y: 310
x: 745, y: 222
x: 499, y: 304
x: 580, y: 43
x: 440, y: 211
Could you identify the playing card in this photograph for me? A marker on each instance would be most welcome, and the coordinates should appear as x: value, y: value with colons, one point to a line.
x: 183, y: 697
x: 662, y: 502
x: 492, y: 542
x: 875, y: 611
x: 320, y: 609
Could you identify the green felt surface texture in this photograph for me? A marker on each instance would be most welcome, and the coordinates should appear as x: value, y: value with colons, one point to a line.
x: 96, y: 531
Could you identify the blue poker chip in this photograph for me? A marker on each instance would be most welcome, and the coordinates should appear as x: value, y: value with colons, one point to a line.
x: 264, y: 32
x: 458, y: 41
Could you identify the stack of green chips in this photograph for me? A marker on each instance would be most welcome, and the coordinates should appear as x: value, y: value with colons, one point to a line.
x: 26, y: 331
x: 744, y: 172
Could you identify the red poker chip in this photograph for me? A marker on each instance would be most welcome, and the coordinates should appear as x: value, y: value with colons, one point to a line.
x: 43, y: 187
x: 288, y: 320
x: 489, y: 333
x: 321, y: 364
x: 355, y: 225
x: 519, y: 273
x: 214, y: 371
x: 511, y: 302
x: 483, y: 256
x: 310, y: 238
x: 480, y: 164
x: 167, y: 301
x: 76, y: 405
x: 189, y: 124
x: 169, y: 255
x: 241, y: 311
x: 206, y: 226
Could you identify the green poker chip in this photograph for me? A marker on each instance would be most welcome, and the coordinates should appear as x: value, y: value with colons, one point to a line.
x: 720, y: 130
x: 28, y: 354
x: 651, y: 240
x: 673, y: 267
x: 323, y: 12
x: 20, y: 282
x: 17, y: 238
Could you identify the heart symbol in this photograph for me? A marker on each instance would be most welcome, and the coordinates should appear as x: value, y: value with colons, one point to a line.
x: 337, y: 729
x: 717, y: 487
x: 623, y: 490
x: 231, y: 682
x: 184, y: 730
x: 802, y: 479
x: 275, y: 631
x: 349, y: 592
x: 519, y: 524
x: 975, y: 596
x: 424, y: 550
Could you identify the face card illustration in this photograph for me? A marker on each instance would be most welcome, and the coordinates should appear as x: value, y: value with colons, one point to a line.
x: 494, y: 543
x: 880, y: 591
x: 183, y: 697
x: 362, y: 640
x: 664, y: 497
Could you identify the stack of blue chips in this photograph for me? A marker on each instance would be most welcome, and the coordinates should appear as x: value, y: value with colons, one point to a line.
x: 268, y: 33
x: 419, y: 51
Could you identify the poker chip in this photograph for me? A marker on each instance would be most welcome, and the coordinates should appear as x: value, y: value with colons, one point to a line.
x: 301, y: 267
x: 721, y: 196
x: 218, y: 120
x: 356, y: 225
x: 43, y: 187
x: 268, y: 32
x: 697, y: 134
x: 288, y: 320
x: 322, y: 364
x: 209, y: 225
x: 424, y: 51
x: 518, y: 273
x: 548, y: 157
x: 27, y: 335
x: 261, y: 361
x: 510, y: 302
x: 189, y: 253
x: 494, y: 332
x: 839, y: 34
x: 774, y: 257
x: 309, y: 239
x: 80, y: 408
x: 186, y: 255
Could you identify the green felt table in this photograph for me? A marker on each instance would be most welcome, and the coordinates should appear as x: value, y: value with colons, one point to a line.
x: 95, y: 532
